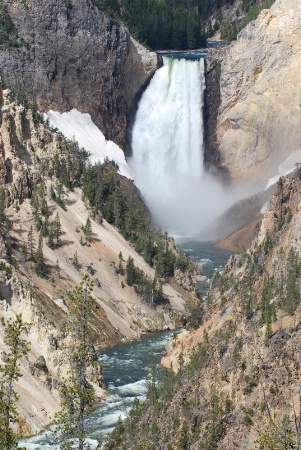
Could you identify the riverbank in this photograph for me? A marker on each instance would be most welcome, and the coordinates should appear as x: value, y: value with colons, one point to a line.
x: 125, y: 368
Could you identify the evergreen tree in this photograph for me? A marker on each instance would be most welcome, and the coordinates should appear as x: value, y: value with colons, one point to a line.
x: 31, y: 244
x: 24, y: 250
x: 3, y: 224
x: 77, y: 393
x: 120, y: 270
x: 39, y: 205
x: 39, y: 259
x: 10, y: 373
x: 57, y: 268
x: 75, y: 261
x: 130, y: 271
x: 58, y: 194
x: 292, y: 288
x: 87, y: 229
x: 45, y: 227
x: 57, y: 228
x: 50, y: 240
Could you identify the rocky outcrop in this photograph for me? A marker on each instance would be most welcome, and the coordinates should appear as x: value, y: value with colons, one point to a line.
x: 212, y: 99
x: 185, y: 280
x: 27, y: 149
x: 75, y: 57
x: 237, y: 381
x: 260, y: 83
x: 24, y: 141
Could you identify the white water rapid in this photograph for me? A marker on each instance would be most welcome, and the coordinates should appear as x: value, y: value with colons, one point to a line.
x: 167, y: 145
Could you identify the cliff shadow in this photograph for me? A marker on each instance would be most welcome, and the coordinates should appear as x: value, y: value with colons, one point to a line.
x: 131, y: 114
x: 21, y: 149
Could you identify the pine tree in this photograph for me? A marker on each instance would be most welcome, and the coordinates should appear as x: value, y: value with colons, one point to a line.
x: 44, y: 207
x: 57, y: 268
x: 75, y: 261
x: 3, y: 219
x: 45, y: 227
x: 24, y: 250
x: 60, y: 194
x: 87, y: 229
x: 57, y: 228
x: 130, y: 271
x: 31, y: 244
x: 50, y: 240
x: 39, y: 204
x: 77, y: 393
x: 10, y: 373
x: 120, y: 269
x: 39, y: 259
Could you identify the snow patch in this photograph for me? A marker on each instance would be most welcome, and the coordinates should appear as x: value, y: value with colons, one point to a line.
x: 264, y: 208
x: 288, y: 166
x: 76, y: 125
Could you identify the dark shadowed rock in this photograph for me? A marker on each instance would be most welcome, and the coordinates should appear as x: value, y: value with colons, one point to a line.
x: 76, y: 57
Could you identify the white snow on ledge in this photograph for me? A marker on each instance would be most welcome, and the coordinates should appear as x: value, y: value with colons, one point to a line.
x: 286, y: 167
x: 79, y: 126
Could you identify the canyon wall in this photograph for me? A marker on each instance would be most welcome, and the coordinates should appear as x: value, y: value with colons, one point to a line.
x: 73, y: 56
x: 260, y: 91
x: 237, y: 380
x: 27, y: 147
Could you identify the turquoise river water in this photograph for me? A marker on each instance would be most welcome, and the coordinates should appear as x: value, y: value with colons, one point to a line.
x: 125, y: 366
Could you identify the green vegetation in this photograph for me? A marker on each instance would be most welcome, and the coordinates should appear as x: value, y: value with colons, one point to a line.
x: 4, y: 222
x: 161, y: 24
x: 141, y: 429
x: 230, y: 30
x: 148, y: 290
x: 10, y: 373
x: 8, y: 31
x: 21, y: 97
x: 5, y: 225
x: 117, y: 200
x: 87, y: 229
x: 195, y: 407
x: 178, y: 25
x: 78, y: 395
x: 39, y: 259
x: 281, y: 436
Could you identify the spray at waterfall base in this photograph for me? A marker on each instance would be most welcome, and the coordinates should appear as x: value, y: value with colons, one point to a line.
x: 168, y: 153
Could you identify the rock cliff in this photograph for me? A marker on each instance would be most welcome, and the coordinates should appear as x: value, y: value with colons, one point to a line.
x: 27, y: 146
x: 212, y: 99
x: 260, y: 92
x: 73, y: 56
x: 238, y: 374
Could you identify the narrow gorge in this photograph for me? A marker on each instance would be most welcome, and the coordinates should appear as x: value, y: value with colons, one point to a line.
x: 109, y: 154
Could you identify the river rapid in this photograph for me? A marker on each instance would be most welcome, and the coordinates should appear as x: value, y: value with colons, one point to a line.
x: 126, y: 366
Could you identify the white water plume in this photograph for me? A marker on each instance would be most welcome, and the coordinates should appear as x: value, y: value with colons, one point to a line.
x: 167, y: 145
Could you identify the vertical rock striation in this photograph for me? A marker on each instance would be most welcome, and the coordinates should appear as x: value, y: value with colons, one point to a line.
x: 212, y: 100
x: 76, y: 57
x: 260, y: 95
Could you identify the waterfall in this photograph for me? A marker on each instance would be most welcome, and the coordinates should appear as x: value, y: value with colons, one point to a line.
x: 168, y: 132
x: 167, y: 149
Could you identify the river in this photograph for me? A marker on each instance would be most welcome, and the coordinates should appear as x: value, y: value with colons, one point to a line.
x: 125, y: 366
x: 209, y: 257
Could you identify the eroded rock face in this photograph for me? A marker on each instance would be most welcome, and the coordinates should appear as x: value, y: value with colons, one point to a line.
x: 259, y: 115
x: 23, y: 141
x: 212, y: 100
x: 76, y: 57
x: 185, y: 280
